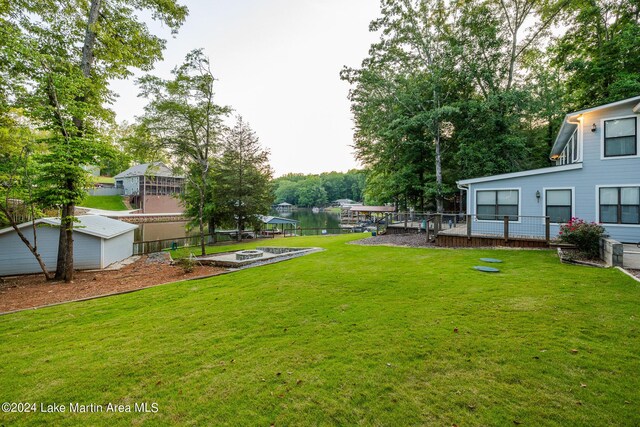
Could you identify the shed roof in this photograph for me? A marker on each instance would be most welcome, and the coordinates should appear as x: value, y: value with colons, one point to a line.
x: 284, y: 204
x: 372, y: 209
x: 93, y: 225
x: 277, y: 220
x: 148, y: 169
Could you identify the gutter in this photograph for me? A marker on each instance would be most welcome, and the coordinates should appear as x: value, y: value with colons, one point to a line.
x: 554, y: 157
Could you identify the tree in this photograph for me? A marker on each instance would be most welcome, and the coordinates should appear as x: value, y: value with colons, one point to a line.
x: 310, y: 192
x: 244, y: 176
x: 183, y: 116
x: 62, y: 59
x: 598, y: 52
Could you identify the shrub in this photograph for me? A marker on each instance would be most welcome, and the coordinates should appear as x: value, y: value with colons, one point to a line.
x: 585, y: 236
x: 187, y: 264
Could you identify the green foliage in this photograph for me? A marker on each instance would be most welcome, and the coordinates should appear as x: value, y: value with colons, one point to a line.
x: 318, y: 190
x: 583, y: 235
x: 598, y: 52
x: 243, y: 178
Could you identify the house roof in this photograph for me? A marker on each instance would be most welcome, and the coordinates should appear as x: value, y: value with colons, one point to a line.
x: 567, y: 128
x: 277, y: 220
x: 148, y: 169
x: 93, y: 225
x: 540, y: 171
x: 284, y: 204
x: 372, y: 209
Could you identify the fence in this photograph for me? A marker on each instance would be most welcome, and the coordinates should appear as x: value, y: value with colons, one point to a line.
x: 150, y: 246
x: 320, y: 231
x: 106, y: 191
x: 506, y: 227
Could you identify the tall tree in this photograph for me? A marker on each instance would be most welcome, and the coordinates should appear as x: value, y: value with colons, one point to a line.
x: 183, y: 116
x: 63, y: 57
x: 599, y: 52
x: 244, y: 176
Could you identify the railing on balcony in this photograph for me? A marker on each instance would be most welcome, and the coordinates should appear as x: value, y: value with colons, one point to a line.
x: 572, y: 152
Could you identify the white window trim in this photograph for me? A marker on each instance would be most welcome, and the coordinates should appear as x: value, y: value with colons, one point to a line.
x: 606, y: 119
x: 544, y: 202
x: 607, y: 224
x: 475, y: 204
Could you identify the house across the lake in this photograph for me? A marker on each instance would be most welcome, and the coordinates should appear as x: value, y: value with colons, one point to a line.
x: 98, y: 242
x: 152, y: 188
x: 596, y: 178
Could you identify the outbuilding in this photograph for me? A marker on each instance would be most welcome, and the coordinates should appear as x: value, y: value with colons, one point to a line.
x: 98, y: 242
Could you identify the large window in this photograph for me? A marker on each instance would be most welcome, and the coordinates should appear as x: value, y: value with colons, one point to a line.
x: 620, y: 137
x: 496, y: 204
x: 558, y: 205
x: 620, y: 205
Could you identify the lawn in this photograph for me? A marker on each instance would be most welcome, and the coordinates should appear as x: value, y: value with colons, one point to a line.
x: 353, y: 335
x: 110, y: 203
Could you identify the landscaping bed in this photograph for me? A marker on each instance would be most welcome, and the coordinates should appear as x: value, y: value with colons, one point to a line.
x: 29, y: 291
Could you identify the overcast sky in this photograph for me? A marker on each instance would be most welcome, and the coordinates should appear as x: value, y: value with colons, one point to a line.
x: 278, y: 65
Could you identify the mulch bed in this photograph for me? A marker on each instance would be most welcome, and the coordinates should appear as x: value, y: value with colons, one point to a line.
x: 413, y: 240
x: 22, y: 292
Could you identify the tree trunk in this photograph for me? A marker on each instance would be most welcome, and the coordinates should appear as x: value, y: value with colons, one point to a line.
x: 32, y: 248
x: 62, y: 246
x: 201, y: 223
x: 439, y: 203
x: 68, y: 273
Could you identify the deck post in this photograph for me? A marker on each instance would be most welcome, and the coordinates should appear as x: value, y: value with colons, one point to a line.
x: 547, y: 229
x: 436, y: 226
x: 468, y: 226
x: 506, y: 228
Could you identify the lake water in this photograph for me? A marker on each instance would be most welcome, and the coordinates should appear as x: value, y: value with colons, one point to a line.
x: 308, y: 220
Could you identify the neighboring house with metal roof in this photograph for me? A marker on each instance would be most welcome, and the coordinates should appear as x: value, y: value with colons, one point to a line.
x: 98, y: 242
x: 152, y: 187
x: 596, y: 177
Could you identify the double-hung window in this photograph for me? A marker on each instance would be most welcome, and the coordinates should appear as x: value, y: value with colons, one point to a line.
x: 558, y: 205
x: 494, y: 205
x: 621, y: 137
x: 620, y: 205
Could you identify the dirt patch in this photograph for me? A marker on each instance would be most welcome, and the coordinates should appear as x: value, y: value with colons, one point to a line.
x: 635, y: 273
x: 21, y: 292
x: 573, y: 256
x: 409, y: 240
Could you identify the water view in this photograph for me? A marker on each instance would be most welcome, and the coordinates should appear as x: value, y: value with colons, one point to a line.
x: 311, y: 224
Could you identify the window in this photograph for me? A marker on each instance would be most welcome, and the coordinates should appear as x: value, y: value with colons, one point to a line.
x: 496, y: 204
x: 620, y: 205
x: 620, y: 137
x: 558, y: 205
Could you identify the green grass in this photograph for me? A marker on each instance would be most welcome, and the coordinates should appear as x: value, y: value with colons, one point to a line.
x: 350, y: 336
x: 111, y: 203
x: 104, y: 180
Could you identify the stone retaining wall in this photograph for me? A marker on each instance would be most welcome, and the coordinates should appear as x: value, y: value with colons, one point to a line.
x: 611, y: 252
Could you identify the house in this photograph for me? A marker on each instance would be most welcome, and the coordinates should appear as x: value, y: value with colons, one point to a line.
x: 596, y: 177
x: 152, y: 188
x: 98, y: 242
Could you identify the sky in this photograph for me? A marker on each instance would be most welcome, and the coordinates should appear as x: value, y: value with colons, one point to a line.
x: 278, y: 65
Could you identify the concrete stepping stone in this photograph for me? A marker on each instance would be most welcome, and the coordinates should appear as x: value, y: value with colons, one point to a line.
x: 486, y: 269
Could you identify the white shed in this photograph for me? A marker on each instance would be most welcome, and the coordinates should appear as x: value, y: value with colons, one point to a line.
x: 98, y: 242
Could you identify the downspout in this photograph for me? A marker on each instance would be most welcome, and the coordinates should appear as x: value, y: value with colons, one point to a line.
x: 463, y: 187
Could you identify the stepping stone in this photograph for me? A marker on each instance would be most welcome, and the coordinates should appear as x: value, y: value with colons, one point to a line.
x: 490, y: 260
x: 486, y: 269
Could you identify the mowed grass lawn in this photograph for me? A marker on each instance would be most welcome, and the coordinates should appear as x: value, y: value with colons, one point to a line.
x: 110, y: 203
x: 350, y: 336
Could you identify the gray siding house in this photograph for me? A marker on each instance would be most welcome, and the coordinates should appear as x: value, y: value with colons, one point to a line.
x: 596, y: 178
x: 98, y: 242
x: 152, y: 187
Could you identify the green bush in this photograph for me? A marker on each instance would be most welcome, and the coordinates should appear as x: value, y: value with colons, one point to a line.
x: 585, y: 236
